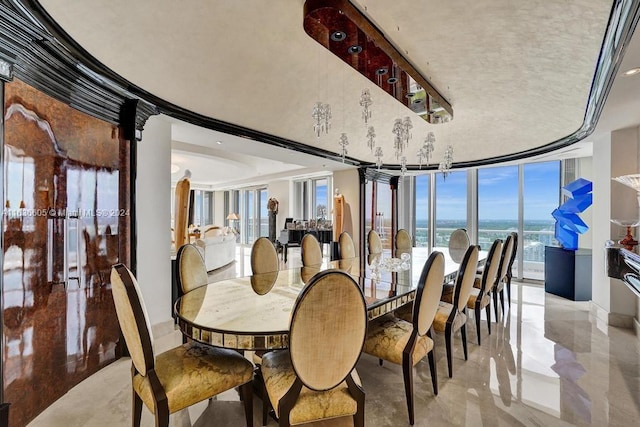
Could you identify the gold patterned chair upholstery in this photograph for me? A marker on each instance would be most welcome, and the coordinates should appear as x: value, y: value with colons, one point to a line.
x: 458, y: 244
x: 191, y: 270
x: 374, y: 245
x: 452, y: 316
x: 508, y: 252
x: 406, y: 343
x: 264, y: 258
x: 180, y: 377
x: 480, y: 296
x: 346, y: 246
x: 310, y: 250
x: 316, y: 378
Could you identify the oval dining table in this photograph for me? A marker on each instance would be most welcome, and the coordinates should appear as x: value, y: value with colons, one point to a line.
x: 253, y: 312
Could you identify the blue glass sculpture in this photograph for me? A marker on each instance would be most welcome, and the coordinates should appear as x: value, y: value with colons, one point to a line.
x: 568, y: 223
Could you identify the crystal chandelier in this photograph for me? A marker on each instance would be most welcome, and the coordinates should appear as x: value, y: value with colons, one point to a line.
x: 322, y: 118
x: 365, y: 103
x: 344, y: 141
x: 379, y: 157
x: 447, y: 162
x: 371, y: 135
x: 424, y: 153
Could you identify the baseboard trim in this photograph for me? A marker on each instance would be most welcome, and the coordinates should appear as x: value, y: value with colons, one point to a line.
x: 621, y: 320
x: 163, y: 328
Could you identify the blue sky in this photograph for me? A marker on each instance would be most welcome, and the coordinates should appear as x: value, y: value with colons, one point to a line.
x: 497, y: 192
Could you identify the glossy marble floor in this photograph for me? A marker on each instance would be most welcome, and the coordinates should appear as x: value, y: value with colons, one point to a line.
x: 546, y: 363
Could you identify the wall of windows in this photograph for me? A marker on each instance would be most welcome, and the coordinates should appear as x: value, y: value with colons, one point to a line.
x: 312, y: 198
x: 423, y: 191
x: 451, y: 205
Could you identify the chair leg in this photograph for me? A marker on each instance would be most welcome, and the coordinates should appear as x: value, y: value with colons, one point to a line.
x: 447, y: 339
x: 508, y: 286
x: 434, y: 371
x: 380, y: 361
x: 407, y: 371
x: 266, y: 402
x: 463, y: 336
x: 476, y: 312
x: 162, y: 418
x: 495, y: 303
x: 247, y: 398
x: 502, y: 300
x: 137, y: 409
x: 488, y: 310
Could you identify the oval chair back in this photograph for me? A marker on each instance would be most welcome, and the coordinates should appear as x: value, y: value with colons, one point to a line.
x: 192, y: 272
x: 428, y: 293
x: 374, y: 245
x: 328, y: 328
x: 347, y: 248
x: 310, y: 250
x: 490, y: 271
x: 458, y: 244
x: 403, y: 241
x: 264, y: 258
x: 507, y: 250
x: 466, y: 277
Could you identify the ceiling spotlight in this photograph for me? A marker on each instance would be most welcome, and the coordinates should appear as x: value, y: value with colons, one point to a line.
x: 410, y: 95
x: 354, y: 49
x: 632, y: 72
x: 338, y: 36
x: 174, y: 168
x: 392, y: 80
x: 381, y: 71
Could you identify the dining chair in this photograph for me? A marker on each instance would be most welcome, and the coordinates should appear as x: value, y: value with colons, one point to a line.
x: 510, y: 266
x: 346, y: 247
x: 191, y: 272
x: 480, y: 296
x: 374, y: 246
x: 180, y: 377
x: 406, y: 343
x: 264, y: 258
x: 452, y: 317
x: 316, y: 377
x: 310, y: 250
x: 403, y: 242
x: 508, y: 250
x: 458, y: 244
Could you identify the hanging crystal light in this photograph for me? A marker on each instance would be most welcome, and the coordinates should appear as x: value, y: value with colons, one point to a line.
x: 424, y: 153
x: 447, y: 162
x: 403, y: 165
x: 371, y: 135
x: 365, y: 103
x: 379, y: 157
x: 344, y: 141
x: 322, y: 118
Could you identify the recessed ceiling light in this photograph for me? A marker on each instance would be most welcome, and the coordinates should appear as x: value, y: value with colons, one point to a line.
x: 354, y: 49
x: 338, y: 36
x: 392, y: 80
x: 174, y: 168
x: 381, y: 71
x: 219, y: 142
x: 632, y: 71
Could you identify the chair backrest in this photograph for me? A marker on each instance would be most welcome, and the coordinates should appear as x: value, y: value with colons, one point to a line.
x: 374, y: 243
x: 403, y: 240
x: 513, y: 252
x: 191, y: 269
x: 490, y: 271
x: 347, y: 248
x: 465, y: 278
x: 132, y: 317
x: 328, y: 328
x: 458, y: 244
x: 264, y: 258
x: 507, y: 250
x: 310, y: 250
x: 428, y: 293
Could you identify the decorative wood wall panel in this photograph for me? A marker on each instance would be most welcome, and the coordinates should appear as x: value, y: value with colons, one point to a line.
x: 66, y: 221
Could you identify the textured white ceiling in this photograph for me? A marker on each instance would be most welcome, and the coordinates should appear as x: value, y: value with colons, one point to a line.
x: 518, y: 74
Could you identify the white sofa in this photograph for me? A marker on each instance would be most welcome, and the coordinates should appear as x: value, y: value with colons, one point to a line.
x: 218, y: 247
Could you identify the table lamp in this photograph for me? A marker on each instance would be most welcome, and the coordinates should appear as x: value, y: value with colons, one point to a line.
x: 232, y: 217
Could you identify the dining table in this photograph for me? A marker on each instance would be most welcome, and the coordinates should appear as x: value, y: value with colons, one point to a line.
x: 253, y: 312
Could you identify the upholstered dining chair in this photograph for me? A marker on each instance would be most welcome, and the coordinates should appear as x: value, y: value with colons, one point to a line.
x: 452, y: 316
x: 374, y: 246
x: 264, y: 258
x: 403, y: 242
x: 316, y: 378
x: 191, y: 272
x: 346, y: 246
x: 178, y: 378
x: 510, y: 266
x: 406, y: 343
x: 480, y: 296
x: 508, y: 250
x: 310, y: 250
x: 458, y: 244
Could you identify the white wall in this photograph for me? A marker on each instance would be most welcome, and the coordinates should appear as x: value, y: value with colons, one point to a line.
x: 153, y: 200
x: 219, y: 217
x: 585, y: 170
x: 349, y: 184
x: 601, y: 232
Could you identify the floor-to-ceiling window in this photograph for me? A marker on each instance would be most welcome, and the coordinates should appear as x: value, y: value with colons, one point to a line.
x: 320, y: 198
x: 312, y: 198
x: 497, y: 203
x: 263, y: 213
x: 248, y: 217
x: 422, y: 210
x: 541, y: 195
x: 451, y: 205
